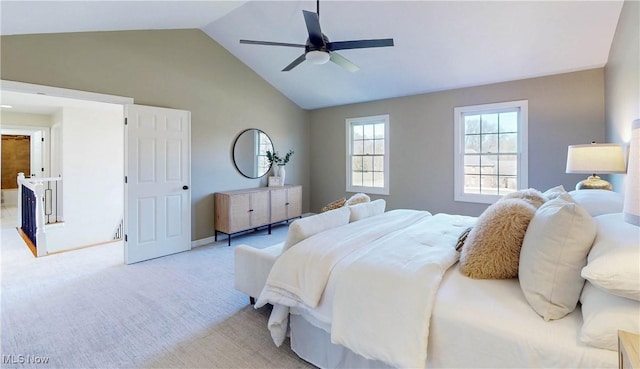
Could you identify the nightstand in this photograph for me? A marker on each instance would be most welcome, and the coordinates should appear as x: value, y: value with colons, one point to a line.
x: 628, y: 350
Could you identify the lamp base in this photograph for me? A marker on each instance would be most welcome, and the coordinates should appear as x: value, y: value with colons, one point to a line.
x: 594, y: 183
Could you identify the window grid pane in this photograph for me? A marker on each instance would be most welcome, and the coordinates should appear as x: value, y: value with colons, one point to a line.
x: 490, y: 153
x: 367, y: 153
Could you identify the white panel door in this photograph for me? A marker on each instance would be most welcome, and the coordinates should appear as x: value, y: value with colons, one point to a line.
x: 158, y: 176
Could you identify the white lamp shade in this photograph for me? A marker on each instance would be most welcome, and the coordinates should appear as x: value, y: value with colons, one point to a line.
x: 317, y: 57
x: 631, y: 208
x: 595, y: 158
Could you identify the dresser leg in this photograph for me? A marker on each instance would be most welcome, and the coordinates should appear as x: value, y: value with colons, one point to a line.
x: 252, y: 301
x: 229, y: 239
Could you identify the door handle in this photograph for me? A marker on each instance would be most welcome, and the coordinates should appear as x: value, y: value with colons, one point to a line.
x: 185, y: 187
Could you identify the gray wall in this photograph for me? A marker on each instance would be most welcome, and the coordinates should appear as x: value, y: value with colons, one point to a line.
x: 181, y: 69
x: 622, y: 81
x: 563, y: 109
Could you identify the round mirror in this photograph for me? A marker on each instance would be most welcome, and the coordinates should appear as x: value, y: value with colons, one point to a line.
x: 250, y: 153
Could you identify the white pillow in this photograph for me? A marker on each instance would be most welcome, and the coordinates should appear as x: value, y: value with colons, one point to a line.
x: 357, y: 199
x: 604, y: 314
x: 614, y: 260
x: 367, y: 209
x: 556, y: 192
x: 554, y: 250
x: 598, y: 202
x: 307, y: 227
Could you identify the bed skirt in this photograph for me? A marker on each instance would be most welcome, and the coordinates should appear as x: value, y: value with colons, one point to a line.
x: 314, y: 345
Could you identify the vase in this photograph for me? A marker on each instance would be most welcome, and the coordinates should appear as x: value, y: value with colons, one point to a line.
x: 281, y: 173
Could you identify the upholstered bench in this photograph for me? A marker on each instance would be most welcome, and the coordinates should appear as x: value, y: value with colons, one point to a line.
x: 252, y: 265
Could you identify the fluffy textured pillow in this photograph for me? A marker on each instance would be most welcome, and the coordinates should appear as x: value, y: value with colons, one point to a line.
x: 614, y: 261
x: 604, y: 314
x: 492, y: 249
x: 307, y: 227
x: 598, y: 202
x: 334, y: 205
x: 358, y: 198
x: 554, y: 251
x: 531, y: 195
x: 367, y: 209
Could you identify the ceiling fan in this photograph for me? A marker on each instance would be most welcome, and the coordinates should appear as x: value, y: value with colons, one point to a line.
x: 318, y: 49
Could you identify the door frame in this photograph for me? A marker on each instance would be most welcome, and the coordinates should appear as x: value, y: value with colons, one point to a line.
x: 29, y: 88
x: 45, y: 157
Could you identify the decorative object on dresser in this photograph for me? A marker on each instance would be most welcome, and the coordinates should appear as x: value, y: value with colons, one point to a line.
x: 243, y: 210
x: 275, y: 181
x: 595, y: 158
x: 275, y: 158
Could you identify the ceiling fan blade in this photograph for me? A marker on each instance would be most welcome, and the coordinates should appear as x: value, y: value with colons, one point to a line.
x: 313, y: 27
x: 359, y: 44
x: 269, y: 43
x: 343, y: 62
x: 294, y: 63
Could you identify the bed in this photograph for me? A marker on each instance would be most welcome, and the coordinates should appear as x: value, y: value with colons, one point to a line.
x: 361, y: 287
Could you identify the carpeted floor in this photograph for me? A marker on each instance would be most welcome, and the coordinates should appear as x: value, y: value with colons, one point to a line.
x: 86, y: 309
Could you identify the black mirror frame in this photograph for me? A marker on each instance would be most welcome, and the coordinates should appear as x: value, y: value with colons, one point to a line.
x: 233, y: 152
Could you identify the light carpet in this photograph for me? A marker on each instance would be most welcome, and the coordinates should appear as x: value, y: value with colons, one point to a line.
x: 86, y: 309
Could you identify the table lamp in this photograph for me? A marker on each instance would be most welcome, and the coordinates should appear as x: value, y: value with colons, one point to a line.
x: 595, y: 158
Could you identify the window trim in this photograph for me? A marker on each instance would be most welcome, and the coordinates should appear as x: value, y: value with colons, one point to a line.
x: 375, y: 119
x: 523, y: 155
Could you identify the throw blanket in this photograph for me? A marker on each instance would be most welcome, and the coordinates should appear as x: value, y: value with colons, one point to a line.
x: 384, y: 299
x: 299, y: 275
x: 386, y: 270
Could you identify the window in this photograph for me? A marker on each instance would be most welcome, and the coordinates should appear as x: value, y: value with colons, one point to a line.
x: 490, y: 150
x: 368, y: 154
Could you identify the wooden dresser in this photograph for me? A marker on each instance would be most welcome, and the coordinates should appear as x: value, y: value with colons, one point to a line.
x: 242, y: 210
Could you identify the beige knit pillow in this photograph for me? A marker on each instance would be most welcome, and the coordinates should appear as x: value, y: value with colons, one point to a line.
x: 492, y: 249
x: 530, y: 195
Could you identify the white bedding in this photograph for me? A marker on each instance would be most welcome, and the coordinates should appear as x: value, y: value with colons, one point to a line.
x: 368, y: 277
x: 299, y: 275
x: 488, y: 323
x: 474, y: 324
x: 400, y: 272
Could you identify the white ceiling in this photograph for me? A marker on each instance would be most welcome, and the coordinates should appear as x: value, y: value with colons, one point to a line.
x: 439, y: 45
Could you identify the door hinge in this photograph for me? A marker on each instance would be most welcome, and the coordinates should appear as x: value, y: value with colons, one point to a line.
x: 125, y: 121
x: 125, y: 179
x: 42, y: 169
x: 125, y: 238
x: 42, y: 139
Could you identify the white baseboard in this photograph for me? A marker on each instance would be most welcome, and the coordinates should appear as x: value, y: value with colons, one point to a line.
x: 203, y: 241
x: 212, y: 239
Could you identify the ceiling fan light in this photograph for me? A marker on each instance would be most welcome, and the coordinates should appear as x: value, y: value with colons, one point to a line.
x: 318, y: 57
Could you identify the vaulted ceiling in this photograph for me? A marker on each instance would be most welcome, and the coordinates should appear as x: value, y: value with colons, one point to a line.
x: 439, y: 45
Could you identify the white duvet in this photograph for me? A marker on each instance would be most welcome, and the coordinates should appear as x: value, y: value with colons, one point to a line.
x: 385, y: 271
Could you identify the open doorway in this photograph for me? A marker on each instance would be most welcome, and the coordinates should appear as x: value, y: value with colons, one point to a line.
x: 80, y: 151
x: 24, y: 149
